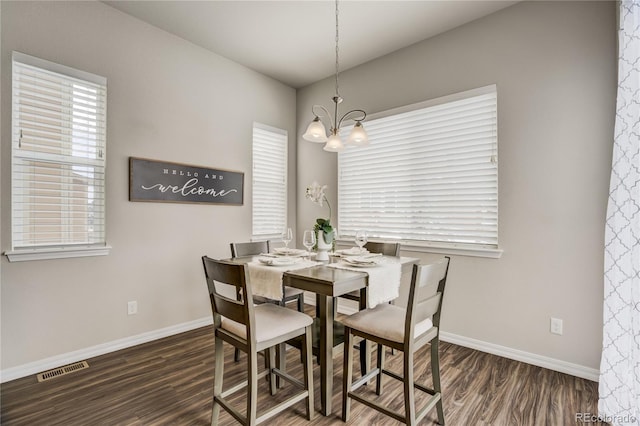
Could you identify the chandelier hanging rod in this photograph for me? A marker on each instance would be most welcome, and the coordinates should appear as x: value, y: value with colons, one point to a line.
x: 316, y: 131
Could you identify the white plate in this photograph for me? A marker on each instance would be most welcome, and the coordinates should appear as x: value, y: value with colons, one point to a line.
x: 363, y: 265
x: 279, y: 261
x: 284, y: 251
x: 360, y: 263
x: 353, y: 251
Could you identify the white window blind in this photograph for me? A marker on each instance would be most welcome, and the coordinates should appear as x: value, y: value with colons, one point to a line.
x: 269, y: 181
x: 429, y: 175
x: 58, y: 156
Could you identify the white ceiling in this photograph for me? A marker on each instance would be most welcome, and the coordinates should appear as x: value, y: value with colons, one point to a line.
x: 294, y: 41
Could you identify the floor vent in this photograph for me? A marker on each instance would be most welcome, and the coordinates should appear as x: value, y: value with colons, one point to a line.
x: 61, y: 371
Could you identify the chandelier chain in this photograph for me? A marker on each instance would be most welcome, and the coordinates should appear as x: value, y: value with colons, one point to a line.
x: 337, y: 51
x: 316, y: 131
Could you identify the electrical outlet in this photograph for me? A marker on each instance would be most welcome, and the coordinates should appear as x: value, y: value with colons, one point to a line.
x: 132, y: 307
x: 556, y: 326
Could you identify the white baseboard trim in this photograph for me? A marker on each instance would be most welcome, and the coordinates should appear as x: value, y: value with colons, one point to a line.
x: 349, y: 308
x: 83, y: 354
x: 527, y: 357
x: 101, y: 349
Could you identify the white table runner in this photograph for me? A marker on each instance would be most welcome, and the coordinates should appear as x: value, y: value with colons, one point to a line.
x: 384, y: 279
x: 266, y: 281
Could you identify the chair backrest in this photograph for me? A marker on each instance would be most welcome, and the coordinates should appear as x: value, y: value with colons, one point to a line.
x: 387, y: 249
x: 425, y: 293
x: 249, y: 249
x: 236, y: 275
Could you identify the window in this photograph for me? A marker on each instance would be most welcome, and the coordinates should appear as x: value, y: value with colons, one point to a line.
x: 269, y: 181
x: 429, y: 177
x: 57, y: 161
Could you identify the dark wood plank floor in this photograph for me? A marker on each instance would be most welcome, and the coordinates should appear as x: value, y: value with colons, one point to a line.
x: 169, y: 382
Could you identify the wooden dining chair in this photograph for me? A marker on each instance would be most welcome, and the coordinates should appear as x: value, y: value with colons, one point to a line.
x: 253, y: 329
x: 255, y: 248
x: 406, y: 330
x: 385, y: 249
x: 290, y: 294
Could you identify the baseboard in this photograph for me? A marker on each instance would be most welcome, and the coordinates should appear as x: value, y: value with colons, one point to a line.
x: 83, y: 354
x: 101, y: 349
x: 527, y: 357
x: 348, y: 307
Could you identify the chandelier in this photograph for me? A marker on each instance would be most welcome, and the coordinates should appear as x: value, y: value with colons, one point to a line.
x: 316, y: 132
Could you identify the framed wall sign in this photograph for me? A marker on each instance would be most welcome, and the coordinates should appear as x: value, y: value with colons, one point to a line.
x: 166, y: 182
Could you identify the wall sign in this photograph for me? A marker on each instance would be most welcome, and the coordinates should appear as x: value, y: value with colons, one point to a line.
x: 161, y: 181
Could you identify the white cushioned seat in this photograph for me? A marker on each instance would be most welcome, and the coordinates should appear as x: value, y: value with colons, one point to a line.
x: 385, y: 325
x: 270, y: 326
x: 386, y: 321
x: 271, y: 321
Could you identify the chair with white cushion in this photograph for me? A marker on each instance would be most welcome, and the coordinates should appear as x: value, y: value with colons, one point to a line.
x: 253, y: 329
x: 405, y: 330
x: 385, y: 249
x: 255, y: 248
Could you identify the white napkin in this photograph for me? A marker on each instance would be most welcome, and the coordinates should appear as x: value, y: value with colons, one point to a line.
x: 384, y: 279
x: 283, y: 251
x: 353, y: 251
x: 266, y: 281
x: 279, y: 261
x: 368, y: 259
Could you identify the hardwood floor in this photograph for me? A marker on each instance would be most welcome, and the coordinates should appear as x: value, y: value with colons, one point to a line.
x: 169, y: 382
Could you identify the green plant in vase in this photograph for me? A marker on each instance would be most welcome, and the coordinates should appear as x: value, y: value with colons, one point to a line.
x: 316, y: 193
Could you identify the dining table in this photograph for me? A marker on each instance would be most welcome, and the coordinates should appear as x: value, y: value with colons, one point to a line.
x: 330, y: 280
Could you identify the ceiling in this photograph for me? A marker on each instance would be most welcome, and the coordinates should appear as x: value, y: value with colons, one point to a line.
x: 294, y: 41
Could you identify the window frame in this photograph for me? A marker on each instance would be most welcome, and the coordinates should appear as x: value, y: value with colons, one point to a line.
x: 276, y: 231
x: 61, y: 248
x: 454, y: 248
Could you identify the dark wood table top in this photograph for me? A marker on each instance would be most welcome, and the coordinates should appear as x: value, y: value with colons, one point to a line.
x: 322, y: 279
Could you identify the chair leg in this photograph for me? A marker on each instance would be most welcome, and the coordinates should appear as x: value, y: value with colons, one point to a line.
x: 435, y: 373
x: 271, y: 357
x: 217, y: 379
x: 308, y: 371
x: 381, y: 353
x: 280, y: 354
x: 236, y: 352
x: 301, y: 302
x: 281, y: 362
x: 363, y: 357
x: 347, y: 374
x: 252, y: 387
x: 409, y: 394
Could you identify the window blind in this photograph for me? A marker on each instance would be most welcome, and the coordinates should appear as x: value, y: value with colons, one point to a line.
x: 430, y: 174
x: 269, y: 181
x: 58, y: 155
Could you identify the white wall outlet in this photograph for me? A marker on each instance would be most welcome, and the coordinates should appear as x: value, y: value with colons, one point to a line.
x: 132, y: 307
x: 556, y: 326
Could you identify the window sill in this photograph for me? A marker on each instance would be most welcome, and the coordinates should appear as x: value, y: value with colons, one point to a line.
x: 56, y: 253
x: 449, y: 249
x: 455, y: 250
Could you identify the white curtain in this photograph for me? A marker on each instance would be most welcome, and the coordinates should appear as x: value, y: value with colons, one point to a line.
x: 619, y: 386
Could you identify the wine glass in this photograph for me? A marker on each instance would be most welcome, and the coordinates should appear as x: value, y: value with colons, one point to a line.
x: 287, y: 236
x: 309, y: 240
x: 361, y: 239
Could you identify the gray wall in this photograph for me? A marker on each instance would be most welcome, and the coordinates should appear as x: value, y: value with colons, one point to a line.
x: 167, y: 100
x: 554, y: 64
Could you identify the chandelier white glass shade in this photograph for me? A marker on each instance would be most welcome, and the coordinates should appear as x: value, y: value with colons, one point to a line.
x: 317, y: 132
